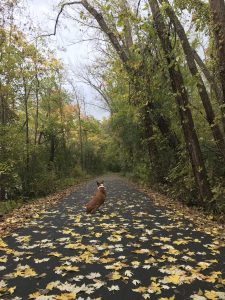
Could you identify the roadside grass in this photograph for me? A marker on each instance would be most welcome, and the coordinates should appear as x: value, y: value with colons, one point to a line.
x: 9, y: 205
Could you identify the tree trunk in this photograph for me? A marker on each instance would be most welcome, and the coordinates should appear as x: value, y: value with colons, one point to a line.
x: 149, y: 133
x: 37, y: 108
x: 181, y: 96
x: 80, y: 138
x: 165, y: 128
x: 217, y: 8
x: 27, y: 130
x: 127, y: 27
x: 3, y: 151
x: 2, y: 194
x: 41, y: 134
x: 210, y: 115
x: 214, y: 86
x: 52, y: 149
x: 113, y: 39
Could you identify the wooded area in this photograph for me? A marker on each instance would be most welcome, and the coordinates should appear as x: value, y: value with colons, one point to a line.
x: 161, y: 74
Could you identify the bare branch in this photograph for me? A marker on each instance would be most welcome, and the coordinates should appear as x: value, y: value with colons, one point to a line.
x: 97, y: 88
x: 57, y: 19
x: 139, y: 2
x: 112, y: 37
x: 208, y: 76
x: 98, y: 106
x: 72, y: 43
x: 67, y: 14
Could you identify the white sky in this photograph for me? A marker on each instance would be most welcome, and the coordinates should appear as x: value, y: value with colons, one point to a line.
x: 43, y: 14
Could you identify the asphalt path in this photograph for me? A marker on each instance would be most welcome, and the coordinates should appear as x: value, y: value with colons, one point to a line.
x: 130, y: 250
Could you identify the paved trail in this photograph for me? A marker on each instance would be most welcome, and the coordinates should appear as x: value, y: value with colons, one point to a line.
x: 132, y: 250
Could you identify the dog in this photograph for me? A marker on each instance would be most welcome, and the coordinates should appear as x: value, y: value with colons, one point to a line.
x: 97, y: 200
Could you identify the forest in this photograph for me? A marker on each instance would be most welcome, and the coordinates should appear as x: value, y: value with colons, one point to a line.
x: 161, y: 76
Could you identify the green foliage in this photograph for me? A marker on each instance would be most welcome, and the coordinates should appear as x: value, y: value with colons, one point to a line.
x: 146, y: 138
x: 47, y: 143
x: 180, y: 181
x: 9, y: 178
x: 199, y: 11
x: 218, y: 204
x: 9, y: 205
x: 40, y: 126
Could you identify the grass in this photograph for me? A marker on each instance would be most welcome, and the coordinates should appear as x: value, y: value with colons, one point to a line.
x: 9, y: 205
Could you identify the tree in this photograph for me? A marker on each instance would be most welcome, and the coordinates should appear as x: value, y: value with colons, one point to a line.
x: 217, y: 8
x: 219, y: 137
x: 181, y: 97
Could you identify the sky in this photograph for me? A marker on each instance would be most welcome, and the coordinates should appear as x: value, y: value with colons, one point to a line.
x: 73, y: 53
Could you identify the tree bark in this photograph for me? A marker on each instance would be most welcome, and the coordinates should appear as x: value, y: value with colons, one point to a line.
x: 165, y: 128
x: 181, y: 96
x: 149, y: 133
x: 27, y: 140
x: 127, y: 27
x: 217, y: 8
x: 2, y: 193
x: 37, y: 86
x: 52, y: 149
x: 113, y: 39
x: 80, y: 138
x: 214, y: 86
x: 210, y: 115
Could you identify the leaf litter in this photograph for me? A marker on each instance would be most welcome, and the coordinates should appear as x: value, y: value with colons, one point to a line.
x: 131, y: 250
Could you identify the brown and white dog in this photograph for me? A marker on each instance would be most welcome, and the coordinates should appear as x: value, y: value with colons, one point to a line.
x: 98, y: 199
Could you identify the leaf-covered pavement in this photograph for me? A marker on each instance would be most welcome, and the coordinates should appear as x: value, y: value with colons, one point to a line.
x: 131, y: 250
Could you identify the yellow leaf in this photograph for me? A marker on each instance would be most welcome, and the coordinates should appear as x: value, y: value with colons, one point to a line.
x: 115, y: 276
x: 140, y: 289
x: 211, y: 295
x: 114, y: 238
x: 129, y: 236
x: 68, y: 268
x: 67, y: 231
x: 180, y: 242
x: 25, y: 239
x: 34, y: 295
x: 3, y: 244
x: 27, y: 272
x: 171, y: 259
x: 135, y: 263
x: 106, y: 253
x: 190, y: 253
x: 175, y: 279
x: 165, y: 239
x: 98, y: 234
x: 66, y: 296
x: 174, y: 251
x: 155, y: 287
x: 3, y: 259
x: 55, y: 254
x: 52, y: 285
x: 106, y: 260
x: 203, y: 265
x: 12, y: 289
x: 141, y: 251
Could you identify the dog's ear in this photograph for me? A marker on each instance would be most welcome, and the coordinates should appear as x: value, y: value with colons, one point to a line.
x: 98, y: 184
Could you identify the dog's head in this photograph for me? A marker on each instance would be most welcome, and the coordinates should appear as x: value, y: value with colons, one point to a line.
x: 101, y: 185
